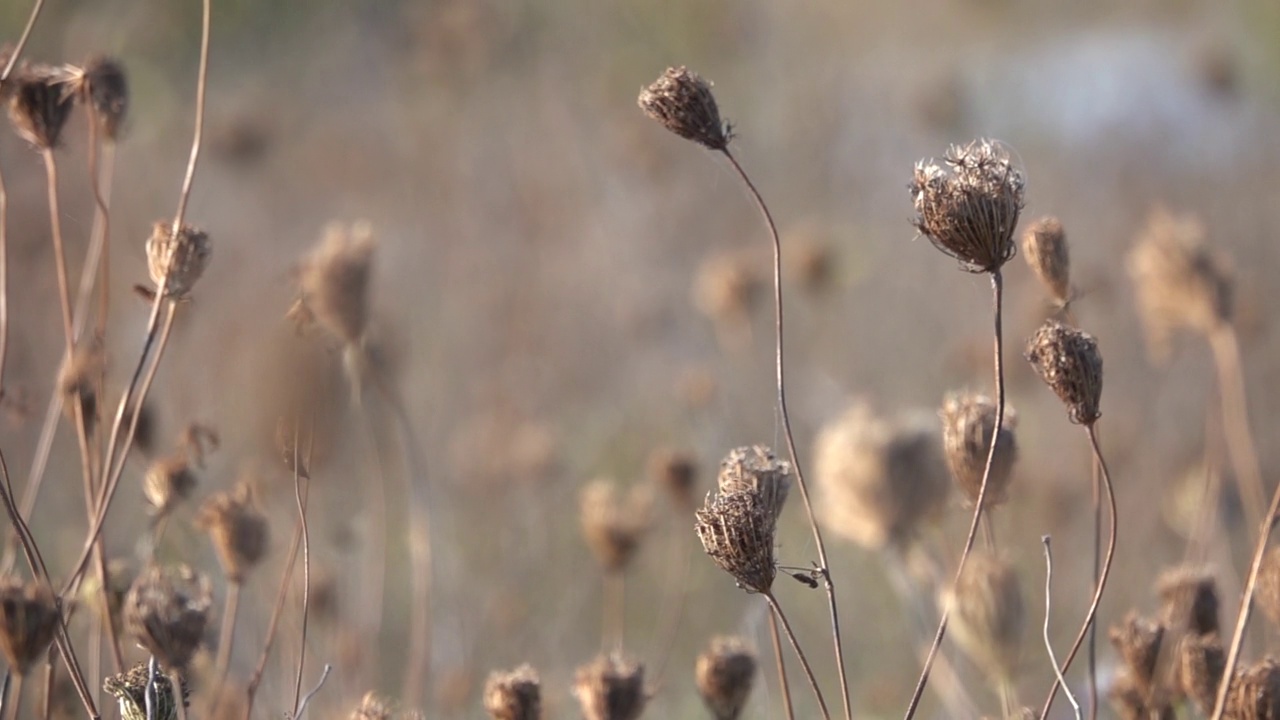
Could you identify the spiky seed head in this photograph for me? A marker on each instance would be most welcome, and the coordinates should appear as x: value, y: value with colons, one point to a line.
x: 39, y: 104
x: 167, y: 482
x: 1044, y: 246
x: 1267, y: 595
x: 968, y: 207
x: 130, y: 690
x: 106, y: 90
x: 879, y: 480
x: 611, y: 687
x: 1068, y: 361
x: 167, y: 610
x: 28, y: 620
x: 1138, y: 639
x: 989, y: 614
x: 968, y: 422
x: 737, y: 522
x: 1255, y: 692
x: 724, y: 674
x: 1179, y: 280
x: 682, y: 101
x: 613, y: 528
x: 1188, y: 600
x: 177, y: 260
x: 334, y: 280
x: 754, y: 468
x: 1201, y: 663
x: 514, y: 695
x: 676, y: 471
x: 238, y: 530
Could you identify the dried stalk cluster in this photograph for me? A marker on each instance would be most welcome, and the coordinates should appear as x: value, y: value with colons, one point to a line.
x: 737, y: 522
x: 167, y: 610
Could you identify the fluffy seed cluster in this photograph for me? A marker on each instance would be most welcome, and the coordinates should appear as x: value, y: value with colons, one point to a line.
x: 676, y: 471
x: 1044, y: 247
x: 334, y: 280
x: 968, y: 207
x: 610, y: 687
x: 239, y: 532
x: 514, y: 695
x: 130, y: 690
x: 1137, y: 640
x: 989, y: 614
x: 177, y: 261
x: 1201, y: 662
x: 28, y: 621
x: 968, y: 423
x: 1068, y: 361
x: 612, y: 527
x: 683, y: 103
x: 724, y: 674
x: 106, y: 90
x: 40, y: 103
x: 879, y: 480
x: 1189, y: 600
x: 737, y: 523
x: 167, y: 610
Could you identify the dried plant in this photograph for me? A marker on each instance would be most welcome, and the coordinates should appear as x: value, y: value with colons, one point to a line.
x: 1130, y: 703
x: 728, y: 289
x: 682, y: 101
x: 334, y: 281
x: 167, y: 482
x: 968, y: 422
x: 737, y: 523
x: 611, y: 687
x: 1138, y: 640
x: 237, y: 528
x: 1044, y: 246
x: 613, y: 528
x: 78, y: 380
x: 106, y: 89
x: 130, y: 690
x: 1255, y: 692
x: 514, y: 695
x: 1189, y: 600
x: 28, y: 620
x: 990, y: 615
x: 724, y: 674
x: 40, y: 104
x: 1267, y: 596
x: 1200, y: 668
x: 167, y: 610
x: 675, y: 471
x: 177, y: 260
x: 1068, y: 361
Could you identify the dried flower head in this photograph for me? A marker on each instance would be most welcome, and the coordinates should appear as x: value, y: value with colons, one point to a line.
x: 989, y: 615
x: 78, y: 380
x: 1201, y: 663
x: 1138, y: 639
x: 167, y: 610
x: 683, y: 103
x: 106, y: 90
x: 724, y: 674
x: 130, y: 690
x: 1044, y: 246
x: 1068, y: 361
x: 728, y: 287
x: 614, y: 529
x: 610, y: 687
x: 968, y: 422
x: 334, y: 280
x: 28, y: 620
x: 879, y: 480
x: 1131, y: 703
x: 1267, y: 594
x: 177, y: 261
x: 1255, y: 692
x: 39, y: 104
x: 514, y: 695
x: 1180, y: 281
x: 167, y: 482
x: 1188, y: 600
x: 372, y: 707
x: 238, y: 530
x: 737, y: 522
x: 676, y: 471
x: 969, y: 208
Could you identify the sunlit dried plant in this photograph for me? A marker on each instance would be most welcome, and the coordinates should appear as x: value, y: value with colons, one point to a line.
x: 990, y: 615
x: 167, y: 610
x: 334, y: 280
x: 40, y: 103
x: 682, y: 101
x: 176, y: 261
x: 1068, y: 361
x: 1044, y: 246
x: 612, y: 527
x: 737, y: 522
x: 1189, y: 600
x: 237, y: 528
x: 611, y: 687
x: 514, y: 695
x: 28, y: 621
x: 130, y: 690
x: 968, y: 422
x: 724, y: 674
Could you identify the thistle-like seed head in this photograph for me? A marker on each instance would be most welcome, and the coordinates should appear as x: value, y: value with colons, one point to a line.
x: 969, y: 206
x: 1131, y: 703
x: 676, y: 471
x: 105, y: 89
x: 683, y: 103
x: 334, y: 280
x: 130, y: 690
x: 1044, y: 246
x: 737, y: 522
x: 167, y: 482
x: 180, y: 258
x: 1201, y: 663
x: 755, y: 469
x: 28, y: 620
x: 1068, y: 361
x: 239, y: 532
x: 968, y: 422
x: 1138, y: 639
x: 610, y: 687
x: 39, y: 104
x: 167, y: 610
x: 989, y: 614
x: 614, y: 529
x: 1255, y: 692
x: 724, y: 675
x: 514, y: 695
x: 1188, y: 600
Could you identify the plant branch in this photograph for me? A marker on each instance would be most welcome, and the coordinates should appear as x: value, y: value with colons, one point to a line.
x: 1048, y: 608
x: 782, y: 667
x: 795, y: 645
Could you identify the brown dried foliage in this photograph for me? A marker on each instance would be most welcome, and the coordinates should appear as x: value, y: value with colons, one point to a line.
x: 1138, y: 641
x: 737, y: 523
x: 682, y: 101
x: 177, y: 261
x: 1188, y: 600
x: 1068, y: 361
x: 610, y: 687
x: 1044, y: 247
x: 167, y: 610
x: 334, y: 280
x: 514, y: 695
x: 40, y: 103
x: 238, y: 530
x: 724, y: 674
x: 1201, y: 663
x: 28, y: 621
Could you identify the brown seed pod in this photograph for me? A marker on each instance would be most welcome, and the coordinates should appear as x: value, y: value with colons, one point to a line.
x: 106, y: 90
x: 1189, y: 600
x: 28, y: 621
x: 682, y: 101
x: 40, y: 102
x: 989, y: 615
x: 756, y: 469
x: 1138, y: 639
x: 334, y: 280
x: 130, y: 690
x: 968, y: 422
x: 1068, y: 361
x: 239, y: 532
x: 736, y: 524
x: 676, y: 471
x: 614, y: 529
x: 724, y: 674
x: 1044, y: 246
x: 167, y: 610
x: 969, y: 209
x: 1201, y: 663
x: 514, y: 695
x: 177, y: 261
x: 610, y: 687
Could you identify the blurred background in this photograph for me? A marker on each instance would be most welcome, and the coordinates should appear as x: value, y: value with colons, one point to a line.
x: 561, y: 287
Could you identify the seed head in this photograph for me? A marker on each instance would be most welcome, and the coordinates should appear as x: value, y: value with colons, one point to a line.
x: 372, y: 707
x: 683, y: 103
x: 514, y: 695
x: 968, y: 422
x: 78, y: 380
x: 1201, y: 663
x: 676, y: 471
x: 756, y: 469
x: 334, y: 280
x: 1130, y: 703
x: 1068, y: 361
x: 737, y: 522
x: 989, y: 614
x: 1044, y: 245
x: 1255, y: 692
x: 181, y: 258
x: 1267, y: 595
x: 167, y: 482
x: 610, y: 687
x: 1138, y: 639
x: 614, y: 529
x: 167, y: 610
x: 238, y: 530
x: 106, y: 90
x: 39, y: 104
x: 724, y: 674
x: 729, y: 286
x: 879, y: 480
x: 1189, y: 600
x: 28, y: 620
x: 969, y: 208
x: 130, y: 690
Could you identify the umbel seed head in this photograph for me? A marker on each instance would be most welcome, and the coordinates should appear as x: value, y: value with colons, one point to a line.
x: 28, y: 621
x: 968, y: 423
x: 1068, y: 361
x: 989, y: 614
x: 683, y: 103
x: 1188, y: 600
x: 968, y: 207
x: 238, y: 530
x: 514, y: 695
x: 130, y: 690
x: 737, y: 522
x: 610, y: 687
x: 1137, y: 640
x: 334, y: 280
x: 107, y: 91
x: 1044, y: 246
x: 167, y: 610
x: 177, y: 261
x: 724, y: 674
x: 39, y: 105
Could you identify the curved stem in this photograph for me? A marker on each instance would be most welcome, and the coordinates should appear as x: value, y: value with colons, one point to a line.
x: 251, y: 689
x: 997, y: 290
x: 226, y: 639
x: 1235, y: 421
x: 795, y: 645
x: 1048, y: 607
x: 376, y: 497
x: 300, y: 495
x: 1092, y: 654
x: 783, y: 684
x: 198, y: 133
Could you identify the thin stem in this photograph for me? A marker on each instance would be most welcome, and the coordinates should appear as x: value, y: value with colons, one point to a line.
x: 59, y: 251
x: 1048, y: 608
x: 306, y: 700
x: 149, y: 694
x: 13, y: 704
x: 198, y: 134
x: 782, y: 667
x: 175, y: 690
x: 1090, y: 430
x: 376, y: 496
x: 1092, y: 656
x: 824, y: 566
x: 273, y: 624
x: 226, y: 640
x: 997, y: 290
x: 795, y: 645
x: 1235, y: 421
x: 613, y: 610
x: 22, y: 40
x: 300, y: 495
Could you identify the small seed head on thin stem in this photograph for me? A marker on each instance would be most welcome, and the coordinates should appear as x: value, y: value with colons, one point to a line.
x: 1044, y: 246
x: 106, y: 90
x: 130, y: 690
x: 968, y: 422
x: 181, y: 258
x: 756, y: 469
x: 682, y: 101
x: 736, y: 524
x: 1189, y: 600
x: 611, y: 687
x: 1201, y: 663
x: 334, y: 280
x: 1138, y: 640
x: 969, y: 206
x: 989, y: 614
x: 167, y: 610
x: 28, y: 621
x: 238, y: 530
x: 614, y: 529
x: 514, y: 695
x: 724, y: 674
x: 39, y: 104
x: 1068, y: 361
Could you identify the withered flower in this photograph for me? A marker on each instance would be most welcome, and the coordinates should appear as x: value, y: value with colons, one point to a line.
x: 130, y: 690
x: 610, y: 687
x: 989, y: 614
x: 28, y: 621
x: 1138, y: 641
x: 238, y: 530
x: 1044, y: 246
x: 1068, y: 361
x: 334, y: 280
x: 968, y: 422
x: 514, y: 695
x: 106, y: 91
x: 39, y: 104
x: 724, y: 675
x: 167, y: 610
x: 737, y: 523
x: 612, y: 528
x: 1189, y: 600
x: 683, y: 103
x: 177, y: 261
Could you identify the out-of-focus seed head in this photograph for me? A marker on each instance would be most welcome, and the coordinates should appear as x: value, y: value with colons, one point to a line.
x: 78, y: 381
x: 106, y: 90
x: 1132, y: 703
x: 514, y: 695
x: 1044, y: 246
x: 728, y: 288
x: 1188, y: 600
x: 130, y: 690
x: 968, y: 422
x: 1267, y: 594
x: 989, y: 614
x: 1255, y: 692
x: 724, y: 674
x: 736, y: 524
x: 39, y: 104
x: 968, y: 207
x: 1201, y: 663
x: 682, y: 101
x: 1138, y: 639
x: 177, y: 261
x: 238, y: 530
x: 614, y: 529
x: 28, y: 620
x: 611, y: 687
x: 1179, y: 280
x: 879, y: 481
x: 809, y: 257
x: 676, y: 471
x: 372, y: 707
x: 167, y: 610
x: 756, y: 469
x: 167, y: 482
x: 334, y: 280
x: 1068, y: 361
